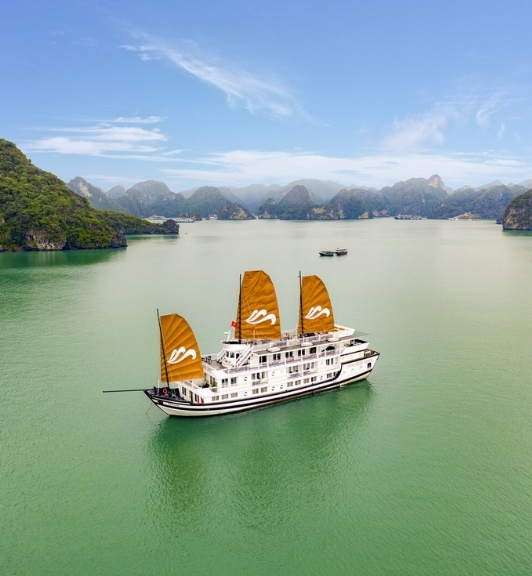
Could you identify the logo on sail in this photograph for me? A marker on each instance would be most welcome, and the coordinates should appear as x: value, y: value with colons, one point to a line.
x: 259, y: 316
x: 316, y: 312
x: 179, y: 355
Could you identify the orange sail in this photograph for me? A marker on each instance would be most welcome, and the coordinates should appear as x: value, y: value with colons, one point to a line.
x: 316, y: 314
x: 180, y: 355
x: 258, y: 312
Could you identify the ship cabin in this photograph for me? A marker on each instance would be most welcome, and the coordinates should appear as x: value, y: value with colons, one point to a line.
x: 248, y: 369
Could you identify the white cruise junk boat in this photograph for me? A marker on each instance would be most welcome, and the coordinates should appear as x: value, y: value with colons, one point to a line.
x: 260, y: 365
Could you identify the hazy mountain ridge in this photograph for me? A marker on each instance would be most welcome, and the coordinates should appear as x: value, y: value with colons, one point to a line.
x: 153, y: 197
x: 306, y: 199
x: 417, y: 196
x: 96, y: 196
x: 489, y: 202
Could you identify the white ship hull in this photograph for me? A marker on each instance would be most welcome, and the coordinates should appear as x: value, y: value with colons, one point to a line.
x: 177, y: 408
x: 351, y: 359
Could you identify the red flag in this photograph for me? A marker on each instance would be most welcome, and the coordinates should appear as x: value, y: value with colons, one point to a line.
x: 234, y: 324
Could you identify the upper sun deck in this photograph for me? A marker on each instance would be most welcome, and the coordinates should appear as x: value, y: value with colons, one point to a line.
x: 290, y: 339
x: 241, y: 356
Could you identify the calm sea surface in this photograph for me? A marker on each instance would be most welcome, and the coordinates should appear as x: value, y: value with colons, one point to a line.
x: 426, y: 468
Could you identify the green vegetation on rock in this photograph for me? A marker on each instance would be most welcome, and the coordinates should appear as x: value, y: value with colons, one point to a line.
x: 234, y: 212
x: 483, y: 203
x: 39, y: 212
x: 518, y: 214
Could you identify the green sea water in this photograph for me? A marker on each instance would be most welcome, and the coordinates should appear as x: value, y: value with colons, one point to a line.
x: 426, y: 468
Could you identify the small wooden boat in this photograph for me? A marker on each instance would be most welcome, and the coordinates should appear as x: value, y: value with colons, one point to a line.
x: 327, y: 253
x: 341, y: 251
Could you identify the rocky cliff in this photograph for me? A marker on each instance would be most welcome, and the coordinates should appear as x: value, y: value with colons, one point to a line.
x: 96, y: 196
x: 486, y: 202
x: 518, y: 214
x: 234, y: 212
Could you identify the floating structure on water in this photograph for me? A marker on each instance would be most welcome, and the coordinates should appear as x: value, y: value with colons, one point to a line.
x: 331, y: 253
x: 260, y: 364
x: 465, y: 216
x: 179, y: 219
x: 408, y: 217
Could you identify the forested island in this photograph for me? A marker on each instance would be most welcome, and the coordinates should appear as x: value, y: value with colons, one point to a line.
x: 39, y: 212
x: 518, y: 214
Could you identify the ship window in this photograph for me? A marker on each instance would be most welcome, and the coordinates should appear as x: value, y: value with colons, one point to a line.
x: 234, y: 394
x: 277, y: 356
x: 196, y: 399
x: 224, y: 381
x: 264, y: 389
x: 301, y: 352
x: 215, y: 398
x: 306, y: 380
x: 256, y: 391
x: 306, y: 366
x: 225, y: 396
x: 329, y: 348
x: 293, y: 369
x: 290, y: 384
x: 184, y: 390
x: 289, y: 354
x: 263, y: 359
x: 233, y: 380
x: 369, y: 365
x: 313, y: 379
x: 313, y: 350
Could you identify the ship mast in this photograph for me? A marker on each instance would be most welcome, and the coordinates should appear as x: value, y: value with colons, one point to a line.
x: 239, y: 320
x: 162, y: 347
x: 301, y: 305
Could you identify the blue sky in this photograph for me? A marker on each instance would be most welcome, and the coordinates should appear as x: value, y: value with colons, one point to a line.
x: 234, y: 92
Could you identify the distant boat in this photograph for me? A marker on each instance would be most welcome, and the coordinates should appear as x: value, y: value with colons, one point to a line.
x: 155, y: 217
x: 327, y: 253
x: 465, y: 216
x: 183, y: 220
x: 260, y: 365
x: 341, y: 251
x: 407, y: 217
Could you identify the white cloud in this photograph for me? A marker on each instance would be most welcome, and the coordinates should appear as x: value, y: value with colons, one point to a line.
x: 137, y: 120
x: 486, y: 110
x: 240, y: 167
x: 256, y: 92
x: 418, y: 130
x: 99, y: 140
